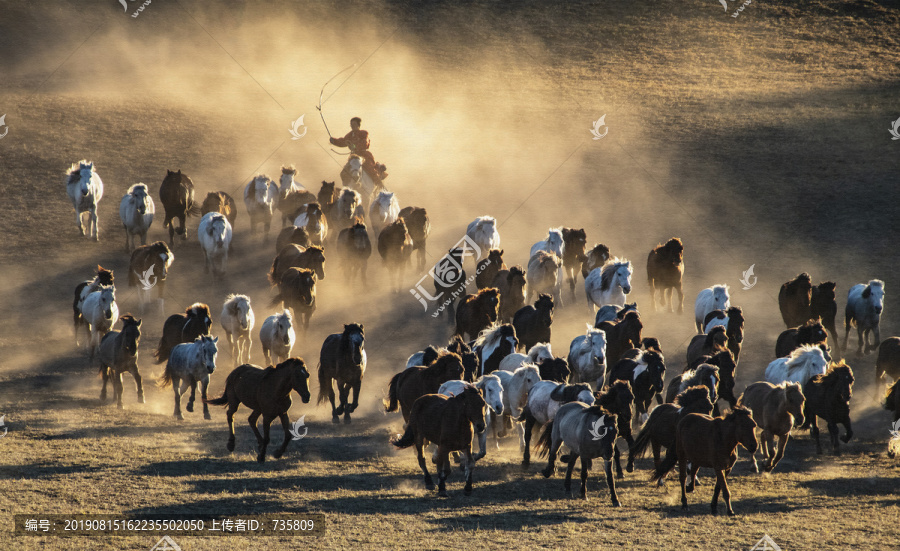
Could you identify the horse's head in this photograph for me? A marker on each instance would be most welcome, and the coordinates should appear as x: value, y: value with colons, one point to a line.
x: 509, y: 342
x: 240, y: 308
x: 544, y: 305
x: 633, y: 327
x: 801, y: 286
x: 473, y: 407
x: 131, y: 329
x: 326, y: 193
x: 674, y: 251
x: 307, y: 285
x: 602, y: 426
x: 694, y: 399
x: 495, y: 258
x: 492, y: 391
x: 580, y: 392
x: 470, y: 365
x: 725, y: 362
x: 287, y: 180
x: 141, y: 198
x: 844, y: 375
x: 720, y: 297
x: 793, y: 395
x: 575, y: 240
x: 528, y: 375
x: 618, y: 398
x: 744, y: 426
x: 824, y: 292
x: 107, y: 300
x: 284, y: 327
x: 356, y: 340
x: 555, y: 369
x: 656, y: 369
x: 217, y: 229
x: 597, y: 342
x: 317, y: 255
x: 208, y: 351
x: 299, y: 377
x: 354, y: 169
x: 735, y: 327
x: 874, y: 293
x: 623, y: 276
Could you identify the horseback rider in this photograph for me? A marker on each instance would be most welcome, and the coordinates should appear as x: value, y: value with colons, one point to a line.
x: 358, y: 142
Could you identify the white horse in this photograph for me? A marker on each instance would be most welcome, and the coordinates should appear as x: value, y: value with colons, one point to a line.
x: 315, y: 223
x: 359, y: 179
x: 544, y: 276
x: 190, y: 363
x: 277, y: 335
x: 483, y: 232
x: 609, y: 283
x: 214, y: 234
x: 85, y: 189
x: 538, y: 353
x: 709, y: 299
x: 136, y: 211
x: 237, y: 320
x: 492, y: 391
x: 802, y: 365
x: 385, y: 209
x: 346, y: 210
x: 261, y: 198
x: 516, y: 385
x: 100, y: 312
x: 864, y: 306
x: 292, y: 195
x: 587, y: 357
x: 544, y: 400
x: 553, y: 244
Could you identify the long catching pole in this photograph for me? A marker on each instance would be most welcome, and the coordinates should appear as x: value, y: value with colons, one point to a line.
x: 319, y: 107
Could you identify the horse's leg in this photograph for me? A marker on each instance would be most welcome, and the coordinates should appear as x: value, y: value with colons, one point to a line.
x: 762, y: 449
x: 181, y: 219
x: 653, y: 300
x: 204, y: 386
x: 78, y: 221
x: 334, y: 412
x: 118, y: 387
x: 551, y: 458
x: 585, y: 468
x: 343, y: 393
x: 567, y: 483
x: 285, y: 424
x: 355, y: 404
x: 715, y: 500
x: 470, y: 466
x: 267, y: 425
x: 782, y: 442
x: 252, y: 420
x: 429, y: 483
x: 143, y: 238
x: 833, y: 435
x: 526, y: 457
x: 170, y: 223
x: 442, y: 466
x: 629, y: 440
x: 682, y: 476
x: 190, y: 404
x: 229, y: 414
x: 138, y: 381
x: 860, y: 339
x: 489, y: 421
x: 178, y: 393
x: 232, y: 342
x: 95, y: 227
x: 345, y: 401
x: 693, y: 473
x: 617, y: 455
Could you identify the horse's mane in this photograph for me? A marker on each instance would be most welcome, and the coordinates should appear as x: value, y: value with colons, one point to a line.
x: 608, y: 271
x: 793, y: 285
x: 833, y: 375
x: 128, y: 319
x: 75, y: 169
x: 605, y: 396
x: 699, y: 373
x: 485, y: 293
x: 288, y: 169
x: 739, y: 411
x: 691, y: 395
x: 711, y: 336
x: 490, y: 336
x: 514, y: 271
x: 350, y: 329
x: 198, y: 309
x: 803, y: 355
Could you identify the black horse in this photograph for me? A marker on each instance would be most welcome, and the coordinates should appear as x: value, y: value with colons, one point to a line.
x: 533, y: 322
x: 342, y: 360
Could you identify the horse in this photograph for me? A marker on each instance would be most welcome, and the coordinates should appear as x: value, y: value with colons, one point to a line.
x: 313, y: 220
x: 704, y: 441
x: 119, y: 353
x: 709, y: 299
x: 533, y: 322
x: 823, y: 305
x: 237, y: 320
x: 511, y: 284
x: 449, y: 277
x: 292, y: 196
x: 266, y: 392
x: 776, y: 409
x: 891, y: 401
x: 555, y: 369
x: 887, y: 363
x: 618, y: 399
x: 326, y: 197
x: 150, y: 261
x: 492, y: 391
x: 277, y: 337
x: 733, y: 321
x: 621, y: 335
x: 183, y: 328
x: 553, y: 244
x: 810, y: 332
x: 85, y: 189
x: 261, y: 197
x: 214, y: 234
x: 544, y: 270
x: 573, y: 255
x: 188, y: 364
x: 587, y: 356
x: 354, y: 250
x: 483, y: 232
x: 708, y: 344
x: 589, y: 432
x: 802, y: 365
x: 347, y: 209
x: 828, y: 396
x: 469, y: 358
x: 297, y: 291
x: 613, y: 312
x: 516, y: 385
x: 704, y: 374
x: 353, y: 176
x: 383, y: 211
x: 665, y: 270
x: 219, y: 201
x: 493, y: 344
x: 177, y: 195
x: 536, y: 354
x: 413, y: 382
x: 291, y: 235
x: 595, y: 258
x: 794, y: 299
x: 343, y: 361
x: 487, y: 269
x: 608, y: 284
x: 659, y: 429
x: 477, y: 312
x: 82, y: 290
x: 864, y: 306
x: 136, y: 212
x: 543, y: 402
x: 419, y: 227
x: 727, y: 367
x: 448, y: 422
x: 646, y: 373
x: 395, y: 248
x: 295, y: 256
x: 100, y: 312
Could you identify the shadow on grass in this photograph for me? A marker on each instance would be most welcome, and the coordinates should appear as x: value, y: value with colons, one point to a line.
x: 46, y: 470
x: 860, y: 486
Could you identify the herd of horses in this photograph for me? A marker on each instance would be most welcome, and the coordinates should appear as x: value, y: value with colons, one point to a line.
x: 497, y: 375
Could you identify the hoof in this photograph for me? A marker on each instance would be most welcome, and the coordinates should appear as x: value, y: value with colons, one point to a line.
x: 629, y: 468
x: 120, y: 406
x: 730, y: 513
x: 230, y: 445
x: 261, y: 458
x: 688, y: 489
x: 278, y: 454
x: 443, y: 494
x: 207, y: 416
x: 616, y: 504
x: 190, y: 407
x: 714, y: 512
x: 547, y: 473
x: 179, y: 417
x: 347, y: 419
x: 429, y: 486
x: 684, y: 507
x: 339, y: 410
x: 141, y: 399
x: 582, y: 496
x: 620, y: 475
x: 467, y: 491
x: 335, y: 420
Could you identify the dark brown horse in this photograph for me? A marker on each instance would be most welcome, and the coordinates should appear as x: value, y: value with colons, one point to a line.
x: 183, y: 328
x: 82, y: 290
x: 823, y: 305
x: 295, y: 256
x: 219, y: 201
x: 291, y: 235
x: 554, y: 369
x: 342, y: 360
x: 828, y: 396
x: 573, y: 258
x: 408, y: 385
x: 488, y: 268
x: 266, y: 392
x: 733, y: 319
x: 704, y: 374
x: 665, y: 269
x: 511, y: 284
x: 395, y: 247
x: 776, y: 410
x: 707, y: 345
x: 448, y: 422
x: 419, y: 226
x: 297, y: 291
x: 794, y: 300
x: 887, y: 363
x: 450, y: 282
x: 595, y: 258
x: 316, y: 224
x: 727, y: 368
x: 327, y: 197
x: 477, y: 312
x: 533, y: 322
x: 892, y: 400
x: 177, y: 196
x: 469, y: 358
x: 618, y: 399
x: 811, y: 332
x: 621, y: 335
x: 118, y: 354
x: 704, y: 441
x: 647, y: 375
x: 354, y: 250
x: 149, y: 266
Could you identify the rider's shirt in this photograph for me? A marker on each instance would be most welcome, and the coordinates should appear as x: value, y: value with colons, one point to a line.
x: 357, y: 141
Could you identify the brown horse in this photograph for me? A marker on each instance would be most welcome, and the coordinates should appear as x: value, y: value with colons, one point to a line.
x: 573, y: 254
x: 704, y: 441
x: 533, y: 322
x: 316, y: 223
x: 595, y: 258
x: 342, y: 360
x: 408, y: 385
x: 488, y: 268
x: 776, y: 409
x: 511, y: 284
x: 477, y: 312
x: 266, y: 392
x: 828, y: 396
x: 707, y: 345
x: 823, y: 305
x: 419, y: 226
x: 450, y: 281
x: 618, y: 399
x: 82, y: 290
x: 621, y: 335
x: 297, y: 291
x: 665, y: 269
x: 149, y: 265
x: 811, y: 332
x: 892, y: 400
x: 219, y: 201
x: 704, y: 374
x: 395, y: 247
x: 733, y: 319
x: 327, y: 197
x: 295, y: 256
x: 291, y: 235
x: 177, y: 196
x: 291, y: 195
x: 727, y: 368
x: 118, y: 354
x: 183, y: 328
x: 448, y: 422
x: 354, y: 250
x: 794, y: 300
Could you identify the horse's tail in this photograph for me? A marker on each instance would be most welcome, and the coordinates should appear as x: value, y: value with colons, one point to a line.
x: 271, y: 274
x: 324, y: 385
x: 193, y: 209
x: 162, y: 350
x: 166, y: 378
x: 393, y: 403
x: 668, y: 462
x: 641, y: 441
x: 542, y: 448
x: 407, y: 439
x: 229, y: 384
